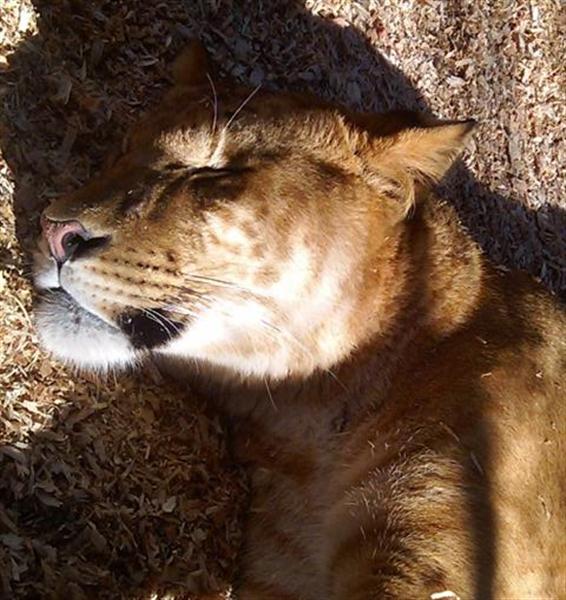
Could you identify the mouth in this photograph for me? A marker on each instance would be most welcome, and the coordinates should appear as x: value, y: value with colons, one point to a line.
x: 149, y: 328
x: 76, y: 335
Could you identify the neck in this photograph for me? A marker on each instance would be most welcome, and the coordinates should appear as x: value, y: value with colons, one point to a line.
x: 414, y: 290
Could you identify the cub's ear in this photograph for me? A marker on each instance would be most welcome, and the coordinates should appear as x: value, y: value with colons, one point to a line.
x: 425, y: 152
x: 192, y: 65
x: 399, y: 155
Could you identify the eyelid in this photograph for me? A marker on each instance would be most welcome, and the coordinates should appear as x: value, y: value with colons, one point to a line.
x: 211, y: 172
x: 204, y: 172
x: 177, y: 166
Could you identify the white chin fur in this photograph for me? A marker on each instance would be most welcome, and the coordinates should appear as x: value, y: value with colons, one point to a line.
x: 44, y: 272
x: 78, y: 337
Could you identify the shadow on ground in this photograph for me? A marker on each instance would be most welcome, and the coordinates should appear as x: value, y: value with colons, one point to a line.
x: 75, y: 86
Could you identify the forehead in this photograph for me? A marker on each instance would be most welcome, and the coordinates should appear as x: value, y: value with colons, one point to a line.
x: 215, y: 123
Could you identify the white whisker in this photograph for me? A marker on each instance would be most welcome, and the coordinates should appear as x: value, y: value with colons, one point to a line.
x: 269, y: 394
x: 215, y: 100
x: 161, y: 320
x: 241, y: 107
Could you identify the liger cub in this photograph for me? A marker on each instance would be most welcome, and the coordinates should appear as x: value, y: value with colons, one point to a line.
x: 398, y: 401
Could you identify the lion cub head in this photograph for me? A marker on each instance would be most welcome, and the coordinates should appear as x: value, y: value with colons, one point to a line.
x: 249, y: 229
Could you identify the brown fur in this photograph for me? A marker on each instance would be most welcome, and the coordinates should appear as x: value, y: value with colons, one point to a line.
x: 411, y: 441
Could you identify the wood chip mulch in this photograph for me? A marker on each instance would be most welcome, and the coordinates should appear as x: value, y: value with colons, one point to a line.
x: 122, y: 488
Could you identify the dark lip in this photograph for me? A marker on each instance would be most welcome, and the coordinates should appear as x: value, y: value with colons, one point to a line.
x: 149, y: 331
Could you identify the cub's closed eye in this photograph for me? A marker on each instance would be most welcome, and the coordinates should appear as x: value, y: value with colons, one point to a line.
x: 176, y: 167
x: 209, y: 184
x: 203, y: 172
x: 212, y: 173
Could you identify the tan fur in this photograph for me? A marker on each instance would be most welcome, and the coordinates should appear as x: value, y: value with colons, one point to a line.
x: 398, y: 401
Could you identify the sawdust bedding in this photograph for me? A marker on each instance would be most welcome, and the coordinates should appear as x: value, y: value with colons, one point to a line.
x: 121, y: 488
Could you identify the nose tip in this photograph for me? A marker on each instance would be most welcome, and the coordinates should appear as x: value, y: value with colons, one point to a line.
x: 63, y: 237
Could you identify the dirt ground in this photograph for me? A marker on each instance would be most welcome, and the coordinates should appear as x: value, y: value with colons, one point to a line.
x: 122, y: 488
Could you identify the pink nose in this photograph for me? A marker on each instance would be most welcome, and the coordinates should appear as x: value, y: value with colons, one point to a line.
x: 63, y: 237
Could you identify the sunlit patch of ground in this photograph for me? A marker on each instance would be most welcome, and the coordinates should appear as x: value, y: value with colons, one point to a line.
x: 121, y: 487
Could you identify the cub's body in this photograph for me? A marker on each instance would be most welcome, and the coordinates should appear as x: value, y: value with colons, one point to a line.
x: 426, y: 465
x: 398, y: 402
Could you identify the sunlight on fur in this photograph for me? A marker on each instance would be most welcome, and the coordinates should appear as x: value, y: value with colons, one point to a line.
x: 291, y: 259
